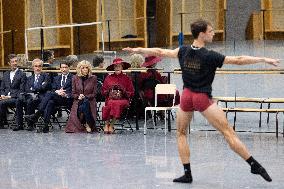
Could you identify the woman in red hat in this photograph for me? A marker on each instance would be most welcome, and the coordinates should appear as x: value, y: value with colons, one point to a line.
x: 117, y: 89
x: 147, y: 81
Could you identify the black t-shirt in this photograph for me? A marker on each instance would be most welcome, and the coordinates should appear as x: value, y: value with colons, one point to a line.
x: 198, y: 67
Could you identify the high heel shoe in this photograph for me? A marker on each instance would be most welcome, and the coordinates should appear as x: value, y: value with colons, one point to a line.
x: 110, y: 130
x: 88, y: 128
x: 106, y: 129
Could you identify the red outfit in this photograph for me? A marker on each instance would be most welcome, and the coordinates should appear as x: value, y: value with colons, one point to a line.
x: 149, y: 93
x: 197, y: 101
x: 113, y: 108
x: 150, y: 74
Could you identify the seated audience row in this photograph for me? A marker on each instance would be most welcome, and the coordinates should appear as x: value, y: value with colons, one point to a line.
x: 43, y: 94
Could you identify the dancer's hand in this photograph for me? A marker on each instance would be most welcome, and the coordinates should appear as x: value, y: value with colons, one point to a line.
x: 272, y: 61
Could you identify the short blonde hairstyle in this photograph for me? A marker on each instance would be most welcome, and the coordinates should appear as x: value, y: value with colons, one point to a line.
x: 83, y: 63
x: 36, y: 61
x: 136, y: 60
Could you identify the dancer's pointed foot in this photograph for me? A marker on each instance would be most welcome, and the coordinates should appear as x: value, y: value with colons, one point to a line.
x: 262, y: 172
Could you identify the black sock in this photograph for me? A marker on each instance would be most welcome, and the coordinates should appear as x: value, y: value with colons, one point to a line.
x: 187, y: 170
x: 187, y: 177
x: 253, y: 163
x: 256, y: 168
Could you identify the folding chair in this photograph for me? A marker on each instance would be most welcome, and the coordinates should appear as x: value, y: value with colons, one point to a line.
x: 169, y: 89
x: 63, y: 108
x: 11, y: 117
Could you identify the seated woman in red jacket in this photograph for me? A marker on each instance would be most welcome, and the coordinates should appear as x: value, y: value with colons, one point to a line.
x: 148, y: 81
x: 117, y: 89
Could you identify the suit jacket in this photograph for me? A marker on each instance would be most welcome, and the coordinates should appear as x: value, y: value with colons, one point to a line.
x: 42, y: 86
x: 89, y: 89
x: 16, y: 87
x: 56, y: 84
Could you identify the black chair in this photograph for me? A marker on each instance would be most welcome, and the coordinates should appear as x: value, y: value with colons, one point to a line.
x: 124, y: 119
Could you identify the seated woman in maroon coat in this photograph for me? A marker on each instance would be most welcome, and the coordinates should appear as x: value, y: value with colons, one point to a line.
x: 84, y: 108
x: 118, y: 90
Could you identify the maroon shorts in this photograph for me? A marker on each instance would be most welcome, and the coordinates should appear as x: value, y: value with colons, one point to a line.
x: 194, y: 101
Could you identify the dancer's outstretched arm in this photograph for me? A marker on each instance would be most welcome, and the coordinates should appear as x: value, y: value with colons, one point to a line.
x: 171, y: 53
x: 243, y: 60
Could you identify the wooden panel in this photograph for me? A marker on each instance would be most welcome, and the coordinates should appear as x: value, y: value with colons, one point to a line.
x: 176, y: 9
x: 254, y: 29
x: 49, y: 13
x: 50, y: 19
x: 13, y: 19
x: 210, y: 12
x: 277, y: 15
x: 141, y: 24
x: 64, y: 17
x: 85, y: 11
x: 111, y: 12
x: 193, y: 7
x: 1, y: 36
x: 267, y: 14
x: 163, y: 16
x: 123, y: 14
x: 34, y: 19
x: 127, y: 16
x: 221, y: 14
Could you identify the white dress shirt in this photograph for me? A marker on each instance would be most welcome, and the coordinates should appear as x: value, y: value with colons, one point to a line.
x: 12, y: 74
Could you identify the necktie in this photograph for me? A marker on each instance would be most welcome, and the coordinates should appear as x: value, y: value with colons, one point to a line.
x: 63, y: 80
x: 36, y: 80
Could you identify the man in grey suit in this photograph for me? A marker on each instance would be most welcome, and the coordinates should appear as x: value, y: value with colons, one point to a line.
x: 12, y: 85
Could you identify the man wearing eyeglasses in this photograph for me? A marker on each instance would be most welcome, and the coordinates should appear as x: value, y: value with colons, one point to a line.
x: 12, y: 85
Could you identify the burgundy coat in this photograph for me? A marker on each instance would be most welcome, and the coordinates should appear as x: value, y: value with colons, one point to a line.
x: 90, y: 90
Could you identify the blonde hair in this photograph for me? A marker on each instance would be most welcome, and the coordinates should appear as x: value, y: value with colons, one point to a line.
x: 136, y: 60
x: 37, y: 60
x: 84, y: 63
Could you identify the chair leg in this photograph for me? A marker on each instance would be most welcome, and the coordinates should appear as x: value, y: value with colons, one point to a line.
x: 259, y: 125
x: 153, y: 119
x: 145, y: 127
x: 267, y: 120
x: 276, y: 125
x: 235, y: 119
x: 165, y: 122
x: 283, y: 126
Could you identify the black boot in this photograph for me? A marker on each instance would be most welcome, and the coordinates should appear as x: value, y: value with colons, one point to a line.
x: 257, y: 169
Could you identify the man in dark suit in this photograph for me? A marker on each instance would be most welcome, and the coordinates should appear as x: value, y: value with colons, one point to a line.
x: 61, y: 95
x: 35, y: 89
x: 12, y: 85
